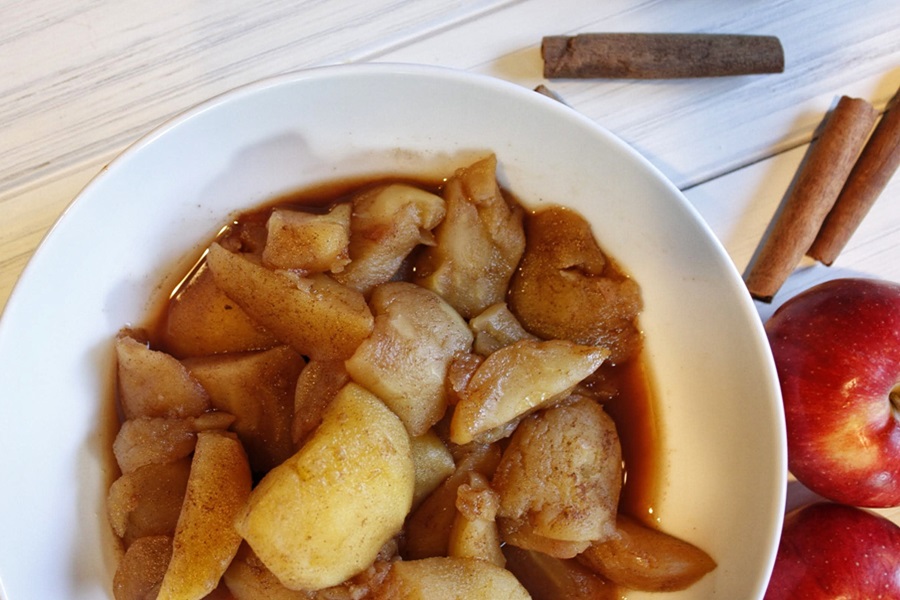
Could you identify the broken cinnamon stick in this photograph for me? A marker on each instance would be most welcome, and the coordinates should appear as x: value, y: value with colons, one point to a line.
x: 870, y: 175
x: 815, y: 191
x: 660, y: 55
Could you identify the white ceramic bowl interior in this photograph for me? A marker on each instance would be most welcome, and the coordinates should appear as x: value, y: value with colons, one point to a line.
x: 128, y: 233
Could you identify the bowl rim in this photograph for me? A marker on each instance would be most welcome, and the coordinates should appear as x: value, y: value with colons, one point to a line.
x: 374, y: 69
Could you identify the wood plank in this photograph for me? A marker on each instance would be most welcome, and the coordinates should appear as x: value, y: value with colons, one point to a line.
x: 90, y: 77
x: 694, y: 130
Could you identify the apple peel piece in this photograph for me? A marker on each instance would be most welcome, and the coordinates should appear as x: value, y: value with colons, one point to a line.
x: 515, y: 381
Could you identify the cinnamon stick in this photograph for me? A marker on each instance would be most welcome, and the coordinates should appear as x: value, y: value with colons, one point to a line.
x: 815, y: 191
x: 871, y: 174
x: 660, y: 55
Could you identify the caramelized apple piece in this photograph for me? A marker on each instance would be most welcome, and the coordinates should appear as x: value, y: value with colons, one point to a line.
x: 549, y: 489
x: 433, y: 462
x: 318, y: 384
x: 548, y: 578
x: 641, y: 558
x: 428, y: 527
x: 141, y: 570
x: 474, y: 533
x: 147, y: 501
x: 307, y: 242
x: 387, y: 223
x: 449, y: 578
x: 202, y: 320
x: 517, y: 380
x: 155, y: 384
x: 478, y: 244
x: 205, y: 538
x: 565, y: 288
x: 405, y: 361
x: 258, y: 389
x: 144, y: 441
x: 248, y: 578
x: 323, y: 515
x: 315, y: 315
x: 495, y: 328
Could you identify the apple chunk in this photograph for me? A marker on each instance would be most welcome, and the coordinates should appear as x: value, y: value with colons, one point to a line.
x: 323, y: 515
x: 205, y: 538
x: 155, y: 384
x: 405, y: 360
x: 566, y: 288
x: 517, y: 380
x: 315, y: 315
x: 641, y: 558
x: 478, y: 244
x: 258, y: 389
x: 554, y: 498
x: 450, y: 578
x: 388, y: 222
x: 308, y: 242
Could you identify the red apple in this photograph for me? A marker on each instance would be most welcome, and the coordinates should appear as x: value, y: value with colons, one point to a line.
x: 836, y: 551
x: 837, y: 351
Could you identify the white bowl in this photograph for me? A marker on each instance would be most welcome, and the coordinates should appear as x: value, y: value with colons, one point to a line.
x: 129, y: 231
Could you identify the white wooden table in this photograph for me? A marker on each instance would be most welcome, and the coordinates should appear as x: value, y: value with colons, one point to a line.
x: 81, y: 79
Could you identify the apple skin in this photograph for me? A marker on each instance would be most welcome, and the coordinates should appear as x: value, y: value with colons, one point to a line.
x: 830, y: 551
x: 837, y: 352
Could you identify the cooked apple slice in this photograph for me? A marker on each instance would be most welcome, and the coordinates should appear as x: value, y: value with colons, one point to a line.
x: 516, y: 380
x: 308, y: 242
x: 258, y: 389
x: 141, y: 570
x: 548, y: 490
x: 474, y: 533
x: 478, y: 244
x: 548, y: 578
x: 318, y: 384
x: 155, y: 384
x: 449, y: 578
x: 387, y: 223
x: 641, y: 558
x: 315, y: 315
x: 567, y: 288
x: 323, y: 515
x: 428, y: 527
x: 144, y: 441
x: 433, y: 462
x: 202, y: 320
x: 405, y: 361
x: 205, y: 538
x: 248, y: 578
x: 147, y: 501
x: 496, y: 327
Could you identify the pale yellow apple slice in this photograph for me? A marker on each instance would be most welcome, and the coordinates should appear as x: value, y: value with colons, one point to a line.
x: 323, y: 515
